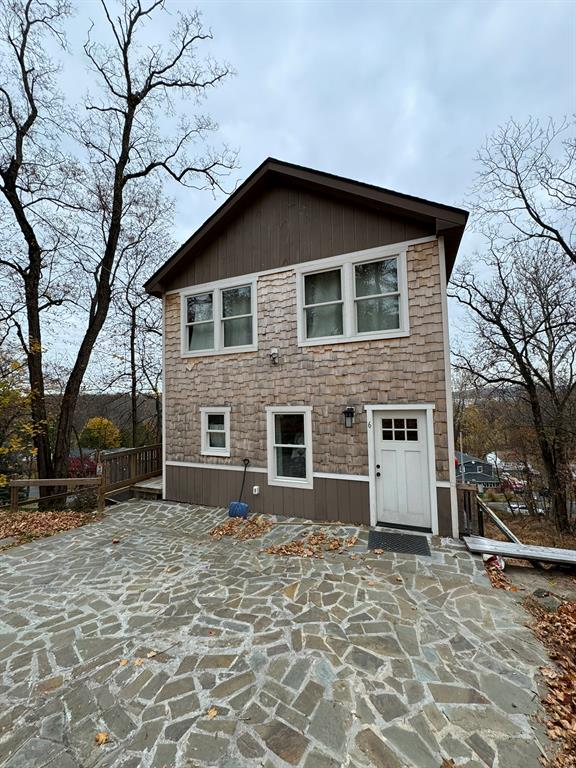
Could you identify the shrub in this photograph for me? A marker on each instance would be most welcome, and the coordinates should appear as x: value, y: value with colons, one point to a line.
x: 78, y: 467
x: 84, y: 500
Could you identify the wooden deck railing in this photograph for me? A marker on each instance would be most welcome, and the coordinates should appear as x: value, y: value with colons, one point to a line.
x: 121, y: 469
x: 470, y: 517
x: 70, y: 483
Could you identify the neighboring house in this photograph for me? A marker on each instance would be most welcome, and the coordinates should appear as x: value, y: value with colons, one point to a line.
x: 471, y: 469
x: 306, y: 329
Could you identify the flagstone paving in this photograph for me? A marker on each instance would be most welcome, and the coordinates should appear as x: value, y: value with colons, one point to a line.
x: 396, y: 661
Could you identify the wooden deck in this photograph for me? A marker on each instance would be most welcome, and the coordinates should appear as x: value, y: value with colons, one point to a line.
x: 481, y: 545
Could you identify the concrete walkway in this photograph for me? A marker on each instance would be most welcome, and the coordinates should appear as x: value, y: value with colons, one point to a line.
x: 237, y: 658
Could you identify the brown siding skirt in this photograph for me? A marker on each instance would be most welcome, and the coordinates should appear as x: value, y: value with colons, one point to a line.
x: 344, y: 500
x: 444, y: 511
x: 347, y: 501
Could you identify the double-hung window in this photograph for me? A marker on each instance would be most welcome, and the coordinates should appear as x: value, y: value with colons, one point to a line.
x: 290, y: 445
x: 222, y: 319
x: 323, y: 305
x: 215, y: 431
x: 352, y: 299
x: 376, y: 296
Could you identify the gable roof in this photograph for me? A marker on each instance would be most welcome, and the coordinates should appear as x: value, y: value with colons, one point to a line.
x: 465, y: 458
x: 448, y: 220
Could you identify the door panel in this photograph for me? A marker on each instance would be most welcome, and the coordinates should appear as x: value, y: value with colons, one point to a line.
x: 402, y: 475
x: 389, y: 479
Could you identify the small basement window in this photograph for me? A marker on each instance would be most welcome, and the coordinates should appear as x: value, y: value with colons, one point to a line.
x: 215, y: 426
x: 290, y: 446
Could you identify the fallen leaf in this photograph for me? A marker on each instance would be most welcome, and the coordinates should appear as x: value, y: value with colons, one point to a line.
x: 115, y: 541
x: 371, y: 583
x: 102, y: 738
x: 138, y: 662
x: 212, y: 712
x: 123, y: 662
x: 151, y: 654
x: 378, y: 551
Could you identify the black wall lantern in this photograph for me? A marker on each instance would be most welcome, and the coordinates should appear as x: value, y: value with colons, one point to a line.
x: 348, y: 414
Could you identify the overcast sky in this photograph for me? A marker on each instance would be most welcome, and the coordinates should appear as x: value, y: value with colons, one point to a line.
x: 399, y: 94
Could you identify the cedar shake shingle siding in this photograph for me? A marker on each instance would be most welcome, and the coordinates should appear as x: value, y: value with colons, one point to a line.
x: 329, y: 377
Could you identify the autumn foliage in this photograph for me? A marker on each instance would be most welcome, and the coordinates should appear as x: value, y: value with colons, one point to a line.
x: 558, y: 633
x: 100, y: 433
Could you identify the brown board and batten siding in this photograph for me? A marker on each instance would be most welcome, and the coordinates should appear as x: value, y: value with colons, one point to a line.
x: 286, y: 225
x: 343, y: 500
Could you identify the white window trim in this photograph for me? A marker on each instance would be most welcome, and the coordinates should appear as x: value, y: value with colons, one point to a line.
x: 271, y: 412
x: 216, y: 290
x: 205, y: 448
x: 346, y: 263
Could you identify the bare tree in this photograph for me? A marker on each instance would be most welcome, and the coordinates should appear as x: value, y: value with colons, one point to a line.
x: 72, y: 217
x: 136, y: 315
x: 526, y: 185
x: 525, y: 340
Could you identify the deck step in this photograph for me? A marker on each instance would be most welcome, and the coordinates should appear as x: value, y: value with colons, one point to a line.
x: 152, y: 487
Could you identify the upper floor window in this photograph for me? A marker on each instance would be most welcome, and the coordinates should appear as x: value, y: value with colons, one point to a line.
x: 220, y: 320
x: 354, y: 299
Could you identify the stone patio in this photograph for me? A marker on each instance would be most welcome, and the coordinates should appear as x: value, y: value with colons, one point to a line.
x: 379, y: 660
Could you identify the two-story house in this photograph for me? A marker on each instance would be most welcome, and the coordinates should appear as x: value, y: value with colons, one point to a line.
x: 475, y: 471
x: 306, y: 329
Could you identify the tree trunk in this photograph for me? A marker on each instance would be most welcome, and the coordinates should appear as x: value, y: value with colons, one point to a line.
x: 34, y: 354
x: 558, y: 501
x: 99, y: 308
x: 133, y: 379
x: 158, y: 398
x: 33, y: 344
x: 554, y: 471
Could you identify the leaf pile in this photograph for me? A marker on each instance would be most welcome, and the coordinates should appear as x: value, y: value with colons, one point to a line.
x: 558, y: 633
x: 498, y: 579
x: 34, y: 525
x: 314, y: 545
x: 242, y: 529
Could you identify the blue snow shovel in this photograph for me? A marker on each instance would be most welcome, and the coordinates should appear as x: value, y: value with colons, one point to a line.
x: 239, y: 508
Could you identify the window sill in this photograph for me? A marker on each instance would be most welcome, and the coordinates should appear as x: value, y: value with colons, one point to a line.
x: 328, y: 340
x: 285, y: 482
x: 216, y: 352
x: 223, y: 454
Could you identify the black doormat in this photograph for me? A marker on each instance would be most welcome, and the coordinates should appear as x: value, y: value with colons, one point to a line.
x: 398, y: 542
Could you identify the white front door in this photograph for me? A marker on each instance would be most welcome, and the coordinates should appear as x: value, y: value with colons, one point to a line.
x: 401, y: 468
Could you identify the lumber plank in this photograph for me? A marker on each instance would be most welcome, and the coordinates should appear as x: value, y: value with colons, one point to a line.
x: 482, y: 545
x: 498, y: 523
